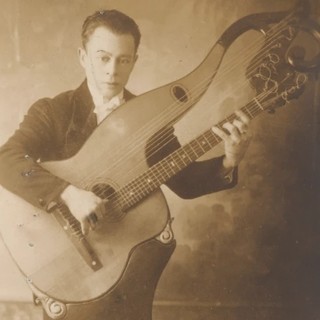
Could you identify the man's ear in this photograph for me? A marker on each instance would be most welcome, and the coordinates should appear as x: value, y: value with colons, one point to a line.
x: 82, y: 56
x: 136, y: 58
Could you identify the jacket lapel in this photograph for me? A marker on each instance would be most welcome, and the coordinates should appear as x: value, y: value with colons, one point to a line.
x: 84, y: 120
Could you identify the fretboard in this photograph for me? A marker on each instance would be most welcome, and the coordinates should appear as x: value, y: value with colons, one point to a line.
x: 168, y: 167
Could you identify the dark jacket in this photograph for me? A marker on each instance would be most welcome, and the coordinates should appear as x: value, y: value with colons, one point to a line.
x: 55, y: 129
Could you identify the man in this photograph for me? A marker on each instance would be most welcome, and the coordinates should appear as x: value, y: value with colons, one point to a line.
x: 56, y: 129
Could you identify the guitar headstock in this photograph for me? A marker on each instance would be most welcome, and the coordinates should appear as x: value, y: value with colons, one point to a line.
x: 279, y: 72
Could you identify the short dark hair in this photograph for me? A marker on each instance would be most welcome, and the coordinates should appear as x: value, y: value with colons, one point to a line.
x: 114, y: 20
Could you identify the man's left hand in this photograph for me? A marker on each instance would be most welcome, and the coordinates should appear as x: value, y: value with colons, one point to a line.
x: 236, y: 137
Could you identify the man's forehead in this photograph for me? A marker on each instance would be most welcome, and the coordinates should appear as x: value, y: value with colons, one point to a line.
x: 102, y: 33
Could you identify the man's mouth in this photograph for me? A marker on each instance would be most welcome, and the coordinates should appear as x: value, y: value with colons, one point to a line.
x: 111, y: 84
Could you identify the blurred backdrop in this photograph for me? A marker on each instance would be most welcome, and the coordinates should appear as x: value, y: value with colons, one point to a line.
x: 248, y: 253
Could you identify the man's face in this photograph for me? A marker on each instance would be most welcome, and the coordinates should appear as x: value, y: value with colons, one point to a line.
x: 108, y: 60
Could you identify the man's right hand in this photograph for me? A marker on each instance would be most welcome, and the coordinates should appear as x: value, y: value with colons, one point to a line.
x: 82, y: 204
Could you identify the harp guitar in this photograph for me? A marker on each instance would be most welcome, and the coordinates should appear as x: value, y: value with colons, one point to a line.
x: 63, y: 266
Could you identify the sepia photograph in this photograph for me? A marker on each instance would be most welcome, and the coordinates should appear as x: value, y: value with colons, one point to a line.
x: 160, y: 160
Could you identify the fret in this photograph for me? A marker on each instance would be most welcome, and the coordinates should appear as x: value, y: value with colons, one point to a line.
x: 158, y: 171
x: 186, y: 155
x: 124, y: 200
x: 170, y: 165
x: 151, y: 178
x: 245, y: 108
x: 122, y: 193
x: 148, y: 182
x: 180, y: 164
x: 183, y: 156
x: 162, y: 171
x: 139, y: 189
x: 211, y: 138
x: 204, y: 143
x: 258, y: 103
x: 133, y: 192
x: 199, y: 146
x: 190, y: 152
x: 196, y: 147
x: 173, y: 165
x: 207, y: 137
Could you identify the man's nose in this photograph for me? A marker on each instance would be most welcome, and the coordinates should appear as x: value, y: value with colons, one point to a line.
x: 112, y: 67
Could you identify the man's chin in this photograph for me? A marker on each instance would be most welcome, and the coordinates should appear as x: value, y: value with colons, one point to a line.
x: 110, y: 92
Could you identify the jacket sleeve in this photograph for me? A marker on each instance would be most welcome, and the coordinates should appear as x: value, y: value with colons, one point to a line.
x: 20, y: 171
x: 200, y: 177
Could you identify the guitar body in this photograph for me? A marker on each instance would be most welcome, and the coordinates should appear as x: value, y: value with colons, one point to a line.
x: 41, y: 247
x: 113, y: 155
x: 132, y: 296
x: 45, y: 255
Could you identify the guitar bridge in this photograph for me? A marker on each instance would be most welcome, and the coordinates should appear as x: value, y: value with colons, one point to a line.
x: 73, y: 231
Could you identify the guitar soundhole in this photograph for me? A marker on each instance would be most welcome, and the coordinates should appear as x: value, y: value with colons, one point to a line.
x: 102, y: 190
x: 180, y: 94
x: 112, y: 209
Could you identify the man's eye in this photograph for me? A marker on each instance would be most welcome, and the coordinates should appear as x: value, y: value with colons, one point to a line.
x: 104, y: 59
x: 124, y: 60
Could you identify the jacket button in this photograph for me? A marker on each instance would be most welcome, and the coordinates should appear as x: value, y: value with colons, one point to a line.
x: 42, y: 202
x: 27, y: 173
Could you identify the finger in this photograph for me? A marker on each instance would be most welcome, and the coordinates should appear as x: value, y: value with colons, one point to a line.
x: 241, y: 126
x: 92, y: 219
x: 243, y: 117
x: 85, y: 227
x: 100, y: 210
x: 234, y: 132
x: 220, y: 133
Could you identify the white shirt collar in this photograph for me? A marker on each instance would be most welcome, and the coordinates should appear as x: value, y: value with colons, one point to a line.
x: 104, y: 107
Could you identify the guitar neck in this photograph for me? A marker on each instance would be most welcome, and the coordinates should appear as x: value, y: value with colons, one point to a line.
x: 181, y: 158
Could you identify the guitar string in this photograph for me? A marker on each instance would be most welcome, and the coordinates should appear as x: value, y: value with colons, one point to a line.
x: 168, y: 141
x: 118, y: 198
x: 257, y: 106
x: 118, y: 202
x: 77, y: 230
x: 117, y: 212
x: 270, y: 40
x: 273, y: 36
x: 164, y: 141
x: 132, y: 142
x: 53, y: 285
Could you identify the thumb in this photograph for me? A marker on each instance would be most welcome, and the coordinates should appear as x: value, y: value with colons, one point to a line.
x: 85, y: 227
